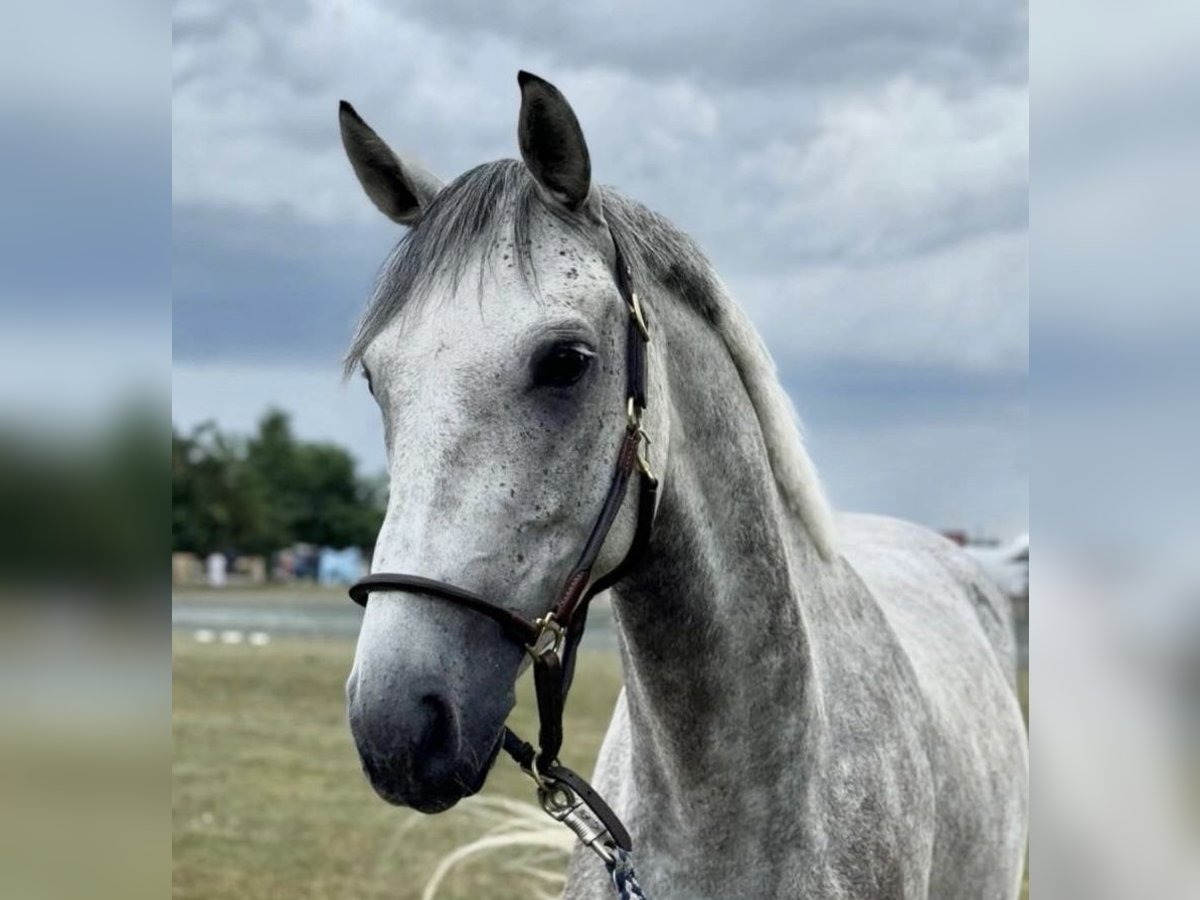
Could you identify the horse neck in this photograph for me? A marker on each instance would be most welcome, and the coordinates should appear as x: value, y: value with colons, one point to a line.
x: 720, y: 681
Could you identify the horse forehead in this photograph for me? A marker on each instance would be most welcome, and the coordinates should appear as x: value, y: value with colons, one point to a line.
x: 555, y: 277
x: 436, y: 328
x: 491, y: 307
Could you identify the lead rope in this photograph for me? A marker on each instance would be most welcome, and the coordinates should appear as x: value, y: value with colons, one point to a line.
x: 620, y: 870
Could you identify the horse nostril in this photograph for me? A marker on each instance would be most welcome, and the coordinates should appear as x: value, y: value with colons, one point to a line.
x: 438, y: 734
x: 410, y: 740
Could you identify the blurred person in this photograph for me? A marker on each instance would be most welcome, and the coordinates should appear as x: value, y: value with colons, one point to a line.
x: 216, y: 566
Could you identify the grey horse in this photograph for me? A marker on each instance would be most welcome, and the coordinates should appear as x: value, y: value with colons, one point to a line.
x: 814, y: 706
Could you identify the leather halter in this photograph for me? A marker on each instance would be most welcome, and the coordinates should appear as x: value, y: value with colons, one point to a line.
x: 553, y: 639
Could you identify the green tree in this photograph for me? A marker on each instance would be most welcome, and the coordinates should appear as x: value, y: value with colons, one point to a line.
x: 273, y: 470
x: 217, y: 504
x: 268, y: 492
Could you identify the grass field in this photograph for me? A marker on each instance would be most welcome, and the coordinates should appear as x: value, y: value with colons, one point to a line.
x: 268, y: 799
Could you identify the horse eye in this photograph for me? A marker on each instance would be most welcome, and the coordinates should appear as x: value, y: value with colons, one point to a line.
x: 562, y: 366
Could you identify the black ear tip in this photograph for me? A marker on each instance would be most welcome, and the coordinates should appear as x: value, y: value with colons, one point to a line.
x: 345, y: 109
x: 526, y: 78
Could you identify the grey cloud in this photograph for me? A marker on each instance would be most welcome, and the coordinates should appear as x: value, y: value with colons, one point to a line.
x: 929, y: 443
x: 857, y: 172
x: 761, y: 43
x: 794, y: 171
x: 69, y: 232
x: 268, y: 288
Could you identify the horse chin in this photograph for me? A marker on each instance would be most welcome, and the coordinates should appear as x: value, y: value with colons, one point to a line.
x: 467, y: 785
x: 476, y: 782
x: 465, y: 781
x: 432, y: 806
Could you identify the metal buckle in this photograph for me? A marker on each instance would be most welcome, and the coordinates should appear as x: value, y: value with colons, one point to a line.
x: 546, y: 625
x: 643, y: 455
x: 633, y: 415
x: 532, y: 772
x: 635, y: 310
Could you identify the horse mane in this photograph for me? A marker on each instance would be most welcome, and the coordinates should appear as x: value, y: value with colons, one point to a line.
x: 464, y: 222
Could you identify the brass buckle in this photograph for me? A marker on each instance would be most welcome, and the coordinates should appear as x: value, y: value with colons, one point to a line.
x: 643, y: 454
x: 633, y: 415
x: 634, y: 418
x: 547, y: 627
x: 635, y: 310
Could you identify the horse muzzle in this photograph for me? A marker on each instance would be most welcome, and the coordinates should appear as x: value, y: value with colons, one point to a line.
x: 414, y: 747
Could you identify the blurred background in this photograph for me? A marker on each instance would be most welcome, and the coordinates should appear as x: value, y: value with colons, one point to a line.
x: 85, y: 355
x: 176, y: 215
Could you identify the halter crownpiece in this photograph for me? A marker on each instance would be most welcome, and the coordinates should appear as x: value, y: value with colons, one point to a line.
x: 553, y: 640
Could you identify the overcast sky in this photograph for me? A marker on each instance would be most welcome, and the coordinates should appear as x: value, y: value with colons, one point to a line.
x: 857, y: 172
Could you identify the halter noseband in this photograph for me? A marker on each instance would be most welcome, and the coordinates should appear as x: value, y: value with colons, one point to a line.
x: 553, y: 639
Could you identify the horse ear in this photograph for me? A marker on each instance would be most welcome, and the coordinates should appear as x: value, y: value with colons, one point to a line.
x: 401, y: 189
x: 552, y: 143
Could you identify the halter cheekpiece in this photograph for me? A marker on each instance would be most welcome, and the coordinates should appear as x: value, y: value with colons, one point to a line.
x: 553, y: 639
